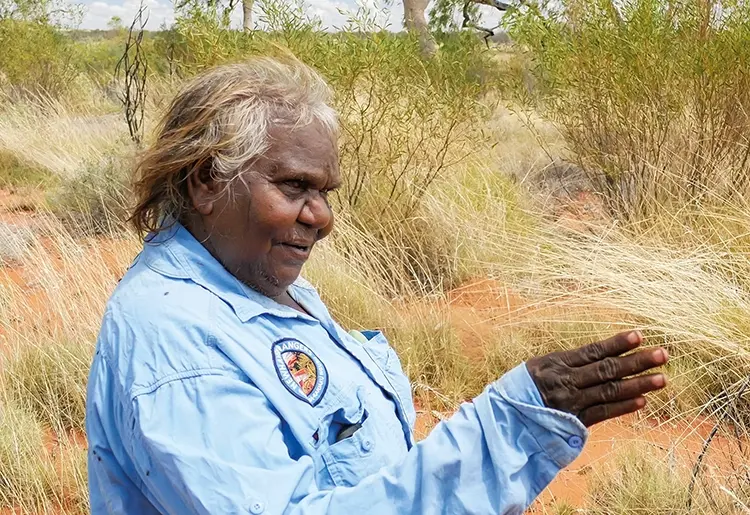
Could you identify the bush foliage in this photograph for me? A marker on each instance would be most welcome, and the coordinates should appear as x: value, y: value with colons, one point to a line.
x: 653, y: 97
x: 36, y: 58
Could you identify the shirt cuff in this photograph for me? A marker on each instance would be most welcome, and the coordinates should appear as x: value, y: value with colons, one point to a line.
x: 560, y: 434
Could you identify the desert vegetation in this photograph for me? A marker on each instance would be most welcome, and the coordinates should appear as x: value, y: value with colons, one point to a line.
x: 500, y: 201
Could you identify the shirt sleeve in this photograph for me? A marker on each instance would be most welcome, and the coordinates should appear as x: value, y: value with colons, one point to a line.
x: 224, y: 451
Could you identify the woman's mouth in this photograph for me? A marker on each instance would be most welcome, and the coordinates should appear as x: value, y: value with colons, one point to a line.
x: 297, y: 250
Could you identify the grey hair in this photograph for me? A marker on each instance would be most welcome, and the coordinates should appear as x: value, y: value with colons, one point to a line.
x: 218, y: 123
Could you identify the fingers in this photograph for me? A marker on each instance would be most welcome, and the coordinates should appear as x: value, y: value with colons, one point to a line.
x: 602, y: 412
x: 595, y: 381
x: 615, y: 391
x: 614, y: 346
x: 611, y: 368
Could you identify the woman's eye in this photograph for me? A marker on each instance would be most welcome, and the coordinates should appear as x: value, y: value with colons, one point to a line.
x: 296, y: 184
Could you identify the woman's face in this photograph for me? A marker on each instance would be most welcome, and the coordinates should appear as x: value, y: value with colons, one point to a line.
x: 264, y: 229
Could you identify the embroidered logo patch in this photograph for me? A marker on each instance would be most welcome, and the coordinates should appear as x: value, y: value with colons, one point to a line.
x: 300, y: 370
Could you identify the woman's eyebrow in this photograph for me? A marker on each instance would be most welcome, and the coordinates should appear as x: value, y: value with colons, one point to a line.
x: 311, y: 176
x: 282, y: 173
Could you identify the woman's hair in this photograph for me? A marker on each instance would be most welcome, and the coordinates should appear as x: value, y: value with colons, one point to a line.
x: 218, y: 125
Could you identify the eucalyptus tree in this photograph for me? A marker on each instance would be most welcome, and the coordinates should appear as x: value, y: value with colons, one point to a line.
x: 443, y: 17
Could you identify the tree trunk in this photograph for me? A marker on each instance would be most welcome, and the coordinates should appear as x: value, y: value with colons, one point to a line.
x: 247, y: 15
x: 416, y: 23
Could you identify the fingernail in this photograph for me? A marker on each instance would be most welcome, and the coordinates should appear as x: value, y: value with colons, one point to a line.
x: 660, y: 381
x: 635, y: 337
x: 660, y: 355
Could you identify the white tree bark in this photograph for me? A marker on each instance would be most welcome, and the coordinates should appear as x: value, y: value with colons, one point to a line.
x: 247, y: 15
x: 416, y: 22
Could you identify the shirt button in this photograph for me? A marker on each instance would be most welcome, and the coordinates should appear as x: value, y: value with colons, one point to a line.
x: 575, y: 442
x: 366, y: 445
x: 257, y: 508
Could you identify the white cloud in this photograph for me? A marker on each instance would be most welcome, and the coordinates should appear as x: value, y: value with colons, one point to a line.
x: 327, y: 11
x: 99, y: 12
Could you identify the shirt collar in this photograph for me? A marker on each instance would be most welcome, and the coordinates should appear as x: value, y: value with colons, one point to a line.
x: 174, y: 252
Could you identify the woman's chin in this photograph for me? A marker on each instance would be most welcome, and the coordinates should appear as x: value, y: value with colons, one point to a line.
x: 276, y: 284
x: 286, y: 279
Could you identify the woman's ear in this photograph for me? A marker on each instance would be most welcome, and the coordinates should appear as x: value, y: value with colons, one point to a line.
x: 202, y: 190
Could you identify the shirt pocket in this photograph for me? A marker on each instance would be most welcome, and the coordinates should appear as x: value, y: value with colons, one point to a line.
x: 387, y: 359
x: 363, y: 453
x: 352, y: 459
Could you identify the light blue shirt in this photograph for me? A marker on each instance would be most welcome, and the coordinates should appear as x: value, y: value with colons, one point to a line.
x: 205, y: 397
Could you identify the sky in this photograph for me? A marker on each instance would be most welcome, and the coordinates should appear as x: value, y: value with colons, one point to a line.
x: 98, y: 12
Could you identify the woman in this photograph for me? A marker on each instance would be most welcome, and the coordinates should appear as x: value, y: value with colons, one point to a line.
x: 221, y: 384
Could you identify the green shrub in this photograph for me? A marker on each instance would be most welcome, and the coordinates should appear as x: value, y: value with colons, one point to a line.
x: 37, y: 58
x: 654, y: 101
x: 98, y: 57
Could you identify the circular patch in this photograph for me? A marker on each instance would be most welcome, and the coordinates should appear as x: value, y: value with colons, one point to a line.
x: 301, y: 371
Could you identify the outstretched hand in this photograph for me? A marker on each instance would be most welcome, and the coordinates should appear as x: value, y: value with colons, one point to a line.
x: 592, y: 382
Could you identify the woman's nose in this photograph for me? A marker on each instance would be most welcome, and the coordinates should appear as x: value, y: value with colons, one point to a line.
x: 316, y: 213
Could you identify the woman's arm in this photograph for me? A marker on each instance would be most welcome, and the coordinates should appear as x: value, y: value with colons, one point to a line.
x: 223, y: 450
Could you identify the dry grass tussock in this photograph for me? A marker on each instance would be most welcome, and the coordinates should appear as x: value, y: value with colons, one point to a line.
x: 37, y: 474
x: 474, y: 280
x: 50, y: 308
x: 49, y: 134
x: 642, y: 479
x: 694, y: 299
